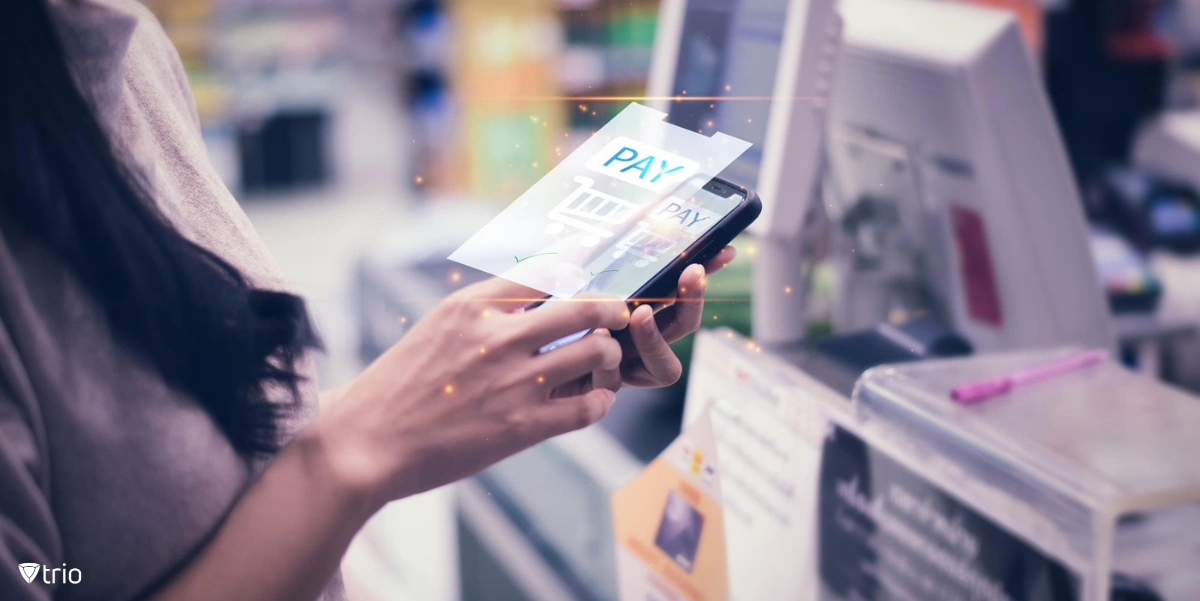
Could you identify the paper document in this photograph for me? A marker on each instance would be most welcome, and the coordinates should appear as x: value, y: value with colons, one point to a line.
x: 769, y: 431
x: 669, y: 527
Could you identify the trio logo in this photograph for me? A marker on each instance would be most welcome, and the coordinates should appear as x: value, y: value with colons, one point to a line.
x: 642, y: 165
x: 29, y: 571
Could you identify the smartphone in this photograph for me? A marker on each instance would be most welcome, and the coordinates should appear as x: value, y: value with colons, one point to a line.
x: 683, y: 233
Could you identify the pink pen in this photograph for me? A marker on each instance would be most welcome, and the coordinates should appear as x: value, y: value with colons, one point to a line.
x: 973, y: 392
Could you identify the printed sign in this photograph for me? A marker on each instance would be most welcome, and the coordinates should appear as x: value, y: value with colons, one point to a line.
x: 769, y: 430
x: 886, y: 534
x: 669, y: 526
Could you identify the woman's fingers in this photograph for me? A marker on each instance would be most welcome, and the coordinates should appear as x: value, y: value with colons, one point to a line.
x: 655, y: 356
x: 685, y: 315
x: 558, y: 318
x: 501, y: 293
x: 606, y: 377
x: 723, y: 258
x: 560, y: 416
x: 594, y: 352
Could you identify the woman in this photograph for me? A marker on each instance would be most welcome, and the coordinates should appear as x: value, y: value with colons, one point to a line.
x: 158, y: 436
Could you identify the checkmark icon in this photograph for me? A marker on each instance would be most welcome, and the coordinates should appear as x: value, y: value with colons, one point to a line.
x: 518, y: 259
x: 596, y: 273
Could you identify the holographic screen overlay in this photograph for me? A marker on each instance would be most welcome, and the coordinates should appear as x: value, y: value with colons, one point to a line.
x: 665, y: 230
x: 590, y: 215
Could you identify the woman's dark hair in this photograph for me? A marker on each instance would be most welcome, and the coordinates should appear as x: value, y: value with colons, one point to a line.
x: 188, y: 312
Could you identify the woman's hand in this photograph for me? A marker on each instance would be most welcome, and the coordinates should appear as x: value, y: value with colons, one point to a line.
x: 647, y: 359
x: 466, y: 387
x: 463, y: 389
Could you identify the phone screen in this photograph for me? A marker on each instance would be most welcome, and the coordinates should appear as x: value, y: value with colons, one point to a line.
x: 665, y: 231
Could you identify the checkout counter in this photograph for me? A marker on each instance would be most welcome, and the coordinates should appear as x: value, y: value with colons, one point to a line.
x: 539, y: 525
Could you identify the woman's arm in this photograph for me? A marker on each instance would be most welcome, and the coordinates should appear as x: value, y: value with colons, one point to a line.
x: 463, y: 389
x: 329, y: 396
x: 286, y: 535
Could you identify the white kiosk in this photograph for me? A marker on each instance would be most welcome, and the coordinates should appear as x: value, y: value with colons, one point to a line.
x: 953, y: 192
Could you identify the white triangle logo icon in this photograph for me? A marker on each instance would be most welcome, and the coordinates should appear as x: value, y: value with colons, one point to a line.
x: 29, y: 570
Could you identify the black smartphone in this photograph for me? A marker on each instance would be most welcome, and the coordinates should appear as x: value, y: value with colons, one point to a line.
x: 691, y: 231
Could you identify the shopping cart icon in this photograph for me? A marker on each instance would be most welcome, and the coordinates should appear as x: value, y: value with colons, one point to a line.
x: 591, y: 211
x: 644, y: 243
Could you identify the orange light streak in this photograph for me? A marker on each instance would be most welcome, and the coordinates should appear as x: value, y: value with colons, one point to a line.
x: 674, y: 98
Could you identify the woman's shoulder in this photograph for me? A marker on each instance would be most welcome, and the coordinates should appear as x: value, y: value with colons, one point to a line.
x: 123, y: 59
x: 115, y: 44
x: 153, y: 52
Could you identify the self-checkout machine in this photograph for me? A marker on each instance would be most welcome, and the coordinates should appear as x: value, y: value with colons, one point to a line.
x: 949, y: 201
x: 954, y: 228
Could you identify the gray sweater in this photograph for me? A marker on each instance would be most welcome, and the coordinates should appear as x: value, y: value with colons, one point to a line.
x: 104, y: 467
